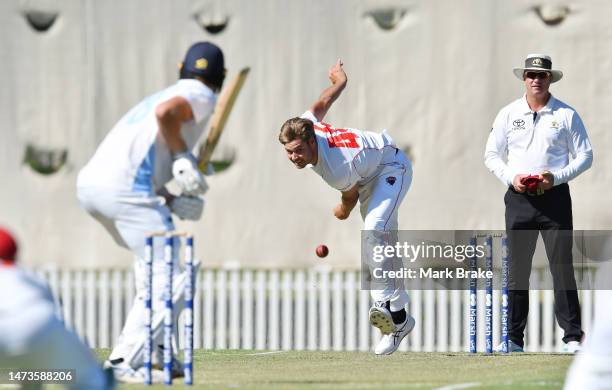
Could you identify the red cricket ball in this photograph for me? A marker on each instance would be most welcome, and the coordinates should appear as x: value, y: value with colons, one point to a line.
x: 322, y: 251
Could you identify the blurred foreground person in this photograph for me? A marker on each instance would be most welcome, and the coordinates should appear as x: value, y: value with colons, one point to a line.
x: 592, y: 368
x: 32, y: 338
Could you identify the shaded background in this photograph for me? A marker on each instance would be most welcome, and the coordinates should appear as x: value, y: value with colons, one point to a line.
x: 434, y: 73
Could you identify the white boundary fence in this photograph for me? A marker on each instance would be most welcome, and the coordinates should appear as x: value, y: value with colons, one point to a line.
x: 297, y: 309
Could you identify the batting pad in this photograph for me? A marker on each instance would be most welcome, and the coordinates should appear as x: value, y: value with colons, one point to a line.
x: 135, y: 357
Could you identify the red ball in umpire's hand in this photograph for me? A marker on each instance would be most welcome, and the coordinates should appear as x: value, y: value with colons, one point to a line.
x: 322, y: 251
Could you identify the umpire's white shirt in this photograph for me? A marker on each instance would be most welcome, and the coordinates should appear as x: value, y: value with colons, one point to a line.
x: 540, y: 142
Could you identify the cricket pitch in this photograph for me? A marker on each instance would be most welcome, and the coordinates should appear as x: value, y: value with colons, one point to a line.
x: 298, y: 370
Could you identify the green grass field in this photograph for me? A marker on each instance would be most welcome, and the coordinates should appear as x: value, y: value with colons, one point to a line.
x: 238, y: 369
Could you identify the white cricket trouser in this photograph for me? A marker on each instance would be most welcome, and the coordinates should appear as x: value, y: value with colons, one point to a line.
x: 129, y: 217
x: 592, y: 368
x: 35, y: 338
x: 380, y: 200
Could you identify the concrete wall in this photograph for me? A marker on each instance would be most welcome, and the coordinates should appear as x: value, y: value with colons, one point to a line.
x: 435, y: 80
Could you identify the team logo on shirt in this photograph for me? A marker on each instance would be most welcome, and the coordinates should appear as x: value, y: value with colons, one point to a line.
x: 391, y: 180
x: 554, y: 125
x: 519, y: 124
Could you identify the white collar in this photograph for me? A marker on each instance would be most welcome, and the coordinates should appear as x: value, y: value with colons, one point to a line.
x: 546, y: 109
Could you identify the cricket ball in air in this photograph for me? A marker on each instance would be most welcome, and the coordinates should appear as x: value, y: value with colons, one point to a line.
x: 322, y: 251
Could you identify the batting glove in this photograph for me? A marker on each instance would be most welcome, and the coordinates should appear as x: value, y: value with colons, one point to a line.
x: 188, y: 207
x: 187, y: 175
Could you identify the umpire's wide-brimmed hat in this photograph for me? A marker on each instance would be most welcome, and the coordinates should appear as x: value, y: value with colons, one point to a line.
x: 538, y: 62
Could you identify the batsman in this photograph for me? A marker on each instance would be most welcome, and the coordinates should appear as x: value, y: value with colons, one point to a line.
x: 123, y: 187
x: 369, y: 169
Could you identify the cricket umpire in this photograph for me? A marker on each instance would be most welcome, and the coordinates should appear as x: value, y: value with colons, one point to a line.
x: 539, y: 133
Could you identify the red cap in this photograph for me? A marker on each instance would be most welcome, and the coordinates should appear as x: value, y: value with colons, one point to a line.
x: 8, y: 246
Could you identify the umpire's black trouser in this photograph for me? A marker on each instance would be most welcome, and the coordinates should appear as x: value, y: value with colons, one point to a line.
x: 526, y: 216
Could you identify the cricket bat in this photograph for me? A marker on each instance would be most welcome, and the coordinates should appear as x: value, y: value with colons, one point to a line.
x: 219, y: 118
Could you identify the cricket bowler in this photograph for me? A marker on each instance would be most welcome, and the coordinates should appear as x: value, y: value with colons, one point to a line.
x: 365, y: 167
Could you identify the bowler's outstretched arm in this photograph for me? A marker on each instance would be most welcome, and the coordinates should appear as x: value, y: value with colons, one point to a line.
x: 330, y: 94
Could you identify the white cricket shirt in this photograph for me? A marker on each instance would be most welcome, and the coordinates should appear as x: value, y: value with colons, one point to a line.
x: 538, y: 142
x: 134, y: 157
x: 349, y: 156
x: 25, y: 308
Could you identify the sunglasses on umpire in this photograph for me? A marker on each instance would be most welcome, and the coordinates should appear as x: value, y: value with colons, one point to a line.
x: 535, y: 75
